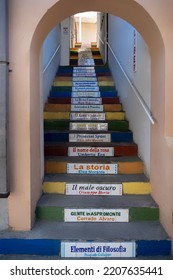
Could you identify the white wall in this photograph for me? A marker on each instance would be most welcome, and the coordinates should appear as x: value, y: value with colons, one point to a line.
x: 121, y: 39
x: 89, y: 30
x: 102, y: 32
x: 65, y: 42
x: 49, y: 47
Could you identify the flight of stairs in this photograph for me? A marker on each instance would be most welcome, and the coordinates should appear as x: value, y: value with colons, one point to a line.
x: 96, y: 200
x: 95, y: 187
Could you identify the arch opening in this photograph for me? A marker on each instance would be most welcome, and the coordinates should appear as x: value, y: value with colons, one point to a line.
x: 56, y: 14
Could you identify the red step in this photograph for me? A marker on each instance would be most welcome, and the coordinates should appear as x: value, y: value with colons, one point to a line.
x: 61, y: 100
x: 126, y: 149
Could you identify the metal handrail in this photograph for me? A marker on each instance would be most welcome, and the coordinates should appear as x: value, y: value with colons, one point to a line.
x: 49, y: 62
x: 135, y: 90
x: 101, y: 39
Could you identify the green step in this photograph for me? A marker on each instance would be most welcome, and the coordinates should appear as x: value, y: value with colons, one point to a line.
x: 55, y: 213
x: 52, y: 213
x: 144, y: 213
x: 64, y: 125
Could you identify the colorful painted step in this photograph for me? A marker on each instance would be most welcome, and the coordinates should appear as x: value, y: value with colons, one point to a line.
x: 62, y: 149
x: 53, y: 107
x: 56, y: 125
x: 54, y: 213
x: 68, y: 87
x: 69, y: 94
x: 71, y: 209
x: 93, y: 44
x: 66, y: 115
x: 105, y: 78
x: 89, y: 189
x: 78, y: 45
x: 91, y: 137
x: 63, y: 78
x: 67, y: 100
x: 94, y: 166
x: 48, y: 238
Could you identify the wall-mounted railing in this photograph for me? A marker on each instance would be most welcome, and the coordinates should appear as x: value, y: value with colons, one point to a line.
x: 101, y: 39
x: 50, y: 60
x: 135, y: 90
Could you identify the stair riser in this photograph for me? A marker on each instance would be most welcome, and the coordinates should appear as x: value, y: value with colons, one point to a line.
x: 49, y: 247
x: 115, y: 119
x: 68, y: 94
x: 70, y: 73
x: 62, y: 100
x: 53, y: 213
x: 126, y: 137
x: 69, y: 83
x: 53, y: 167
x: 101, y: 79
x: 98, y: 61
x: 67, y: 107
x: 68, y: 88
x: 65, y: 125
x: 133, y: 188
x: 95, y: 52
x: 63, y: 151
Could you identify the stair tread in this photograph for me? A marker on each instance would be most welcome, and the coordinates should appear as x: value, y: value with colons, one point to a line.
x: 104, y: 160
x: 89, y: 144
x: 145, y: 230
x: 88, y: 131
x: 108, y: 202
x: 84, y: 121
x: 78, y: 178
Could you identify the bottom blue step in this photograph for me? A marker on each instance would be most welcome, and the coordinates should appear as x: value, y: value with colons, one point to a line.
x: 52, y: 247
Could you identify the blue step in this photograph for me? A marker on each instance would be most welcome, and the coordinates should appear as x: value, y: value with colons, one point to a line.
x: 153, y: 247
x: 30, y: 246
x: 52, y: 247
x: 61, y: 94
x: 64, y: 136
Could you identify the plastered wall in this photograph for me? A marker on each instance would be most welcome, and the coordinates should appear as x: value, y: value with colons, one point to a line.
x: 123, y: 40
x: 49, y: 48
x: 89, y: 31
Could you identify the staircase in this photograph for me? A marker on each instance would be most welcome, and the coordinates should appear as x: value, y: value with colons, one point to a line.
x: 96, y: 200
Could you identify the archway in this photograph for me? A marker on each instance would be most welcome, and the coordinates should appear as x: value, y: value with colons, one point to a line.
x: 136, y: 15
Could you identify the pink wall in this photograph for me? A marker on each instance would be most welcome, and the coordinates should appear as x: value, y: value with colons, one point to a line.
x: 153, y: 19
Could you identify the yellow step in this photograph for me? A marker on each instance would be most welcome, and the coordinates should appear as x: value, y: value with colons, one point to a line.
x: 105, y: 78
x: 54, y: 187
x: 67, y: 107
x: 115, y: 116
x: 68, y: 82
x: 56, y: 115
x: 138, y: 188
x: 55, y: 167
x: 74, y: 56
x: 97, y: 56
x: 66, y: 115
x: 106, y: 83
x: 62, y: 83
x: 62, y: 79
